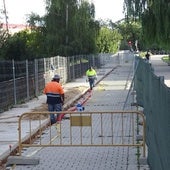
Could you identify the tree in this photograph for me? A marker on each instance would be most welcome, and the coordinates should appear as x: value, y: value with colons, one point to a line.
x: 22, y: 45
x: 68, y: 28
x: 131, y: 32
x: 87, y: 29
x: 108, y: 40
x: 3, y: 35
x: 154, y: 16
x: 71, y: 28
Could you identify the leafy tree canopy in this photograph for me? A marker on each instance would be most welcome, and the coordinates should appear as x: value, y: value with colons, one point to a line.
x: 154, y: 16
x: 108, y: 40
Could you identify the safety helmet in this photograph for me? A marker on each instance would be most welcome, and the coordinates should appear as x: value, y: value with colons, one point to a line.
x: 56, y: 77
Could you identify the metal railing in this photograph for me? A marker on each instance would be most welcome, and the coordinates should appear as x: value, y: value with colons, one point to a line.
x: 115, y: 128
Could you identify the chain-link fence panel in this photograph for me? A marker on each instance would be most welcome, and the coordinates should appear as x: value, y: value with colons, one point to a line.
x: 23, y: 80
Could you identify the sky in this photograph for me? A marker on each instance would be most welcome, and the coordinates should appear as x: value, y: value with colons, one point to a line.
x: 17, y: 9
x: 109, y: 9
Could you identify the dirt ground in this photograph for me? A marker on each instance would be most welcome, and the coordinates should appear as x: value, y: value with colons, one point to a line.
x: 69, y: 94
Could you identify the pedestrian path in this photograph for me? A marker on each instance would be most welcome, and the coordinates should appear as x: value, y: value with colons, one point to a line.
x: 9, y: 119
x: 161, y: 68
x: 108, y: 94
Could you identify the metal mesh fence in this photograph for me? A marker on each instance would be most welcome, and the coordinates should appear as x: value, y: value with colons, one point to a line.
x: 154, y: 96
x: 23, y: 80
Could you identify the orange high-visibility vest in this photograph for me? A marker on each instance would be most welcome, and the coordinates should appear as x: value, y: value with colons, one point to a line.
x: 53, y: 90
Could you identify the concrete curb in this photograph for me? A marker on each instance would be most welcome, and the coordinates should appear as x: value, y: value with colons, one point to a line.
x: 22, y: 160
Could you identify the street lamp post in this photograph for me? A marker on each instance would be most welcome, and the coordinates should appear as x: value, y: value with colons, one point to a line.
x: 6, y: 18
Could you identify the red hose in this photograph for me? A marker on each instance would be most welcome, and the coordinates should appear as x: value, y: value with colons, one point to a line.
x: 82, y: 101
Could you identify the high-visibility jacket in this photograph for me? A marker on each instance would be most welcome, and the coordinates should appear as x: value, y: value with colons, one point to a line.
x: 91, y: 73
x: 54, y: 92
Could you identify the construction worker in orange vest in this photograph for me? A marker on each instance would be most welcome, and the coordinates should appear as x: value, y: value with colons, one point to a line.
x: 55, y: 97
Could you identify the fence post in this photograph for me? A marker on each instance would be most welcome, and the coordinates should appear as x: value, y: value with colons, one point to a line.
x: 27, y: 80
x: 93, y: 60
x: 81, y: 70
x: 58, y: 62
x: 68, y: 69
x: 36, y: 77
x: 73, y: 69
x: 14, y: 81
x: 65, y: 69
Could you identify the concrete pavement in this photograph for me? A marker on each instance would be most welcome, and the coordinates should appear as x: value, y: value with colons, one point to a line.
x: 109, y: 94
x: 161, y: 68
x: 9, y: 119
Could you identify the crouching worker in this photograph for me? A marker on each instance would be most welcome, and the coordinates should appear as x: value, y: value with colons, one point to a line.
x: 55, y: 97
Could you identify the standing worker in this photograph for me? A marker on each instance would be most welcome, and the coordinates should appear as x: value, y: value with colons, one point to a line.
x: 91, y: 77
x: 55, y: 97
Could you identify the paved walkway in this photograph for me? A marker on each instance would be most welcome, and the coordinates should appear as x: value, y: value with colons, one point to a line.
x: 161, y: 68
x: 109, y: 94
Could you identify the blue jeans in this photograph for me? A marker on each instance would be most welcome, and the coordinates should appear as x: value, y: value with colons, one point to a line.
x: 54, y: 108
x: 91, y: 82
